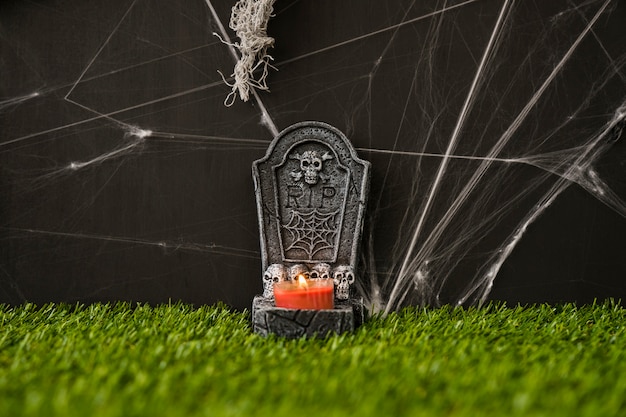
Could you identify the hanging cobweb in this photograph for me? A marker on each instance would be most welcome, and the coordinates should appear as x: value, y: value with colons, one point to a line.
x: 492, y: 130
x: 311, y: 232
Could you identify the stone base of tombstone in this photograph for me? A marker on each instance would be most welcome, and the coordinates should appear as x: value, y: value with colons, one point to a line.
x: 284, y: 322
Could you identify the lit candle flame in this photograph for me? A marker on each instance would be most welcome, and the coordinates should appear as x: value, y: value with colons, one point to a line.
x: 302, y: 281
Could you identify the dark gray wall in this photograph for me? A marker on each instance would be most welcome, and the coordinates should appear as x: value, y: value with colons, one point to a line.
x: 92, y: 211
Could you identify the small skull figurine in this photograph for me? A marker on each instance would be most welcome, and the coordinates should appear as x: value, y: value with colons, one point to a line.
x: 298, y: 269
x: 274, y: 273
x: 320, y: 271
x: 343, y: 276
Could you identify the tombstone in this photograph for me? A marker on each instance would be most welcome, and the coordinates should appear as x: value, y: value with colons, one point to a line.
x: 311, y: 191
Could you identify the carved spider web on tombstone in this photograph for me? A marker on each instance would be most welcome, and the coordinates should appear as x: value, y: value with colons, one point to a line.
x: 312, y: 232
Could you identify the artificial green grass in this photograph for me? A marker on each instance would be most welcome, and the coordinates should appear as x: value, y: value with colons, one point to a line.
x: 175, y: 360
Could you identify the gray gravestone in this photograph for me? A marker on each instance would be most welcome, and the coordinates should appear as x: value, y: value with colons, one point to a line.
x: 311, y: 190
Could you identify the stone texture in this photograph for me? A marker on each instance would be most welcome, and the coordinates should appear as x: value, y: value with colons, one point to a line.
x: 311, y: 190
x: 269, y: 319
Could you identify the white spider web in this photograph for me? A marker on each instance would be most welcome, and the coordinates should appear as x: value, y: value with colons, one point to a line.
x: 311, y: 232
x: 488, y: 125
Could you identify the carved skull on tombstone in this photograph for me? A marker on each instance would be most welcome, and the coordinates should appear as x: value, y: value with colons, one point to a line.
x: 343, y: 276
x: 311, y: 164
x: 321, y: 271
x: 274, y: 273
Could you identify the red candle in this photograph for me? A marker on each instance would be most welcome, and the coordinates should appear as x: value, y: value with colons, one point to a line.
x: 305, y: 294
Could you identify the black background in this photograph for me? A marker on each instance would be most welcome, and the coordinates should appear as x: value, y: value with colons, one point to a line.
x: 90, y: 211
